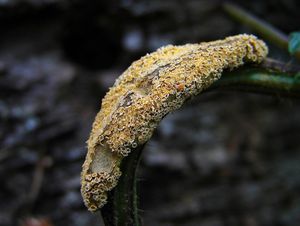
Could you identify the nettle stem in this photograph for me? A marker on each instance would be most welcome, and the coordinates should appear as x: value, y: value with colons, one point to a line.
x: 145, y: 93
x: 261, y: 80
x: 122, y: 206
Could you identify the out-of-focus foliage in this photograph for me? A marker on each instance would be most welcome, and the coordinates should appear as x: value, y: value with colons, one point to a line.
x: 294, y: 42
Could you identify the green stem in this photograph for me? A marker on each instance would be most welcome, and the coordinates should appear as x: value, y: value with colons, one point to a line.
x: 122, y: 206
x: 260, y: 80
x: 266, y: 30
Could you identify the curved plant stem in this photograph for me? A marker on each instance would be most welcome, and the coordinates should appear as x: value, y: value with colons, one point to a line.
x: 122, y: 206
x: 260, y: 80
x: 122, y: 210
x: 266, y: 30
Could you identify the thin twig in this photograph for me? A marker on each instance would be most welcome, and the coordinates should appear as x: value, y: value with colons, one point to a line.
x: 266, y: 30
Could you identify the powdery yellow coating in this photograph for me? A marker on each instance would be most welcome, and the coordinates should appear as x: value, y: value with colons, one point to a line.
x: 149, y: 89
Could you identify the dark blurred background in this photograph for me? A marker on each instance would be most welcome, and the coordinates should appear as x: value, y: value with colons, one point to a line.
x: 225, y: 159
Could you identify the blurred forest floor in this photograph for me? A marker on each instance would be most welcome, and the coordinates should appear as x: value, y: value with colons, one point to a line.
x: 226, y: 158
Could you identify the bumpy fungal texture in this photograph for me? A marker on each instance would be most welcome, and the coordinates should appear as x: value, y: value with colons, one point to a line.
x: 149, y: 89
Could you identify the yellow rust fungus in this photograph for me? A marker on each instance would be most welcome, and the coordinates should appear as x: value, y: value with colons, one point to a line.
x: 149, y: 89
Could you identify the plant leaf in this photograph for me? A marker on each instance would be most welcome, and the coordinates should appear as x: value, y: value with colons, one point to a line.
x: 294, y: 42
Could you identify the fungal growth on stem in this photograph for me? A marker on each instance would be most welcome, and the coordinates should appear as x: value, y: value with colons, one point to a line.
x: 149, y: 89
